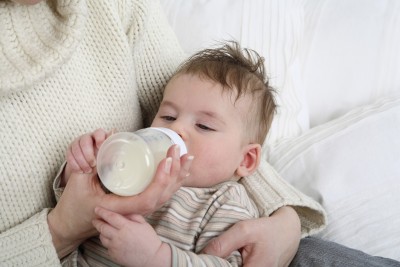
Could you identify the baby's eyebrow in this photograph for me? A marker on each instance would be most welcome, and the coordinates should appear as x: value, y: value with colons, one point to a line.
x: 213, y: 115
x: 209, y: 114
x: 167, y: 103
x: 206, y: 113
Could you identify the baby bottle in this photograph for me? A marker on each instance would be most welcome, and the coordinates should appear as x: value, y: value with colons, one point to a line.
x: 126, y: 161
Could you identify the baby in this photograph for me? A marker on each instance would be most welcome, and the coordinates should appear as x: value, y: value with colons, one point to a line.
x: 220, y: 103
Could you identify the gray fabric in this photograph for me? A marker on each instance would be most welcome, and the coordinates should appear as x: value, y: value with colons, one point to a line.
x: 317, y: 252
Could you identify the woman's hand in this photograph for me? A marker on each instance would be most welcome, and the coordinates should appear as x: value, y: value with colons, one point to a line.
x: 268, y: 241
x: 70, y: 222
x: 169, y: 177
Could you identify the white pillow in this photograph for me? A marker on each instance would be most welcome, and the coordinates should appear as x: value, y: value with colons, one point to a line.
x: 350, y: 55
x: 273, y: 28
x: 351, y: 165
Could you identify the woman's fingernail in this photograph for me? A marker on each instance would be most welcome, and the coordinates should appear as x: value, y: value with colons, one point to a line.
x: 167, y: 166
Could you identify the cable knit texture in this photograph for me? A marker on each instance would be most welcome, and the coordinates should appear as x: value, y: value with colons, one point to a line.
x: 68, y: 67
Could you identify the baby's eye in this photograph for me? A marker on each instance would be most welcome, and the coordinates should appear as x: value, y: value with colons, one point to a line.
x: 168, y: 118
x: 204, y: 127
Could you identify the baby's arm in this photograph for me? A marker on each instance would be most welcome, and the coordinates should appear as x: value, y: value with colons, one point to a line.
x: 188, y: 258
x: 130, y: 240
x: 81, y: 153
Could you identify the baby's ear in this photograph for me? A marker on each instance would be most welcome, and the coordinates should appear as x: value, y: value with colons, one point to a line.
x: 251, y: 160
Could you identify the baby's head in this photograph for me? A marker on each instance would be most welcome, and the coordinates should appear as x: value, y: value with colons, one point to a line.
x: 241, y: 72
x: 221, y: 105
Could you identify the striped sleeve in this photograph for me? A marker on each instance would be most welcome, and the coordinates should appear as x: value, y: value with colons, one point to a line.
x: 221, y: 209
x: 187, y: 258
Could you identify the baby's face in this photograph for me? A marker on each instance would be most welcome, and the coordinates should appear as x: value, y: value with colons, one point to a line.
x: 210, y: 122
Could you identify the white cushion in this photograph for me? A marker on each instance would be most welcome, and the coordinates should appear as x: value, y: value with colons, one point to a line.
x: 351, y: 165
x: 274, y: 28
x: 350, y: 55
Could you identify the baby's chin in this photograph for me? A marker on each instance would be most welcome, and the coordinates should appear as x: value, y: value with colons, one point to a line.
x: 193, y: 181
x: 201, y: 182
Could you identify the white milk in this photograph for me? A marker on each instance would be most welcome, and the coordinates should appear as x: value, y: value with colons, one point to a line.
x: 126, y: 162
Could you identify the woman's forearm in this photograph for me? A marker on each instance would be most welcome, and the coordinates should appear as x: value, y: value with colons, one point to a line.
x: 288, y: 225
x: 63, y: 244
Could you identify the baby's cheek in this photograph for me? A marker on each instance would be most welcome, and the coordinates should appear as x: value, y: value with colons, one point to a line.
x: 201, y: 173
x: 206, y: 157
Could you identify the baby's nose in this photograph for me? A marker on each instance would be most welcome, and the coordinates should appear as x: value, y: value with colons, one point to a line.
x: 179, y: 129
x: 179, y: 132
x: 183, y: 135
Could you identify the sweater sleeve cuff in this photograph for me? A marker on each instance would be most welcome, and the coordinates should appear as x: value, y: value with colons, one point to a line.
x: 29, y: 244
x: 270, y: 192
x: 57, y: 181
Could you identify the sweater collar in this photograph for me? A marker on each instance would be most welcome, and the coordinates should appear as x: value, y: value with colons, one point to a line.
x: 36, y: 40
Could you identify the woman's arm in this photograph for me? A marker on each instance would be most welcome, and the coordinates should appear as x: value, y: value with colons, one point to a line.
x: 276, y: 246
x: 288, y: 215
x: 271, y: 192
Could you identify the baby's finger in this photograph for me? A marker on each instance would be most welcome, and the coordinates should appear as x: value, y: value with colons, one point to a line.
x: 72, y: 162
x: 113, y: 131
x: 80, y: 158
x: 105, y: 241
x: 99, y: 136
x: 136, y: 218
x: 87, y: 148
x: 104, y: 228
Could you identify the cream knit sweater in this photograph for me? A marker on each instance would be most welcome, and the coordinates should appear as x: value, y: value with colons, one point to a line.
x: 68, y: 67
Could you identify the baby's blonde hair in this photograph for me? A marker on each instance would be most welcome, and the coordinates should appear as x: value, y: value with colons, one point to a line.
x: 241, y: 70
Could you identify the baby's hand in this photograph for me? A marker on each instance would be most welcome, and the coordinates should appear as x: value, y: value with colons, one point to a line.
x: 130, y: 240
x: 81, y: 153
